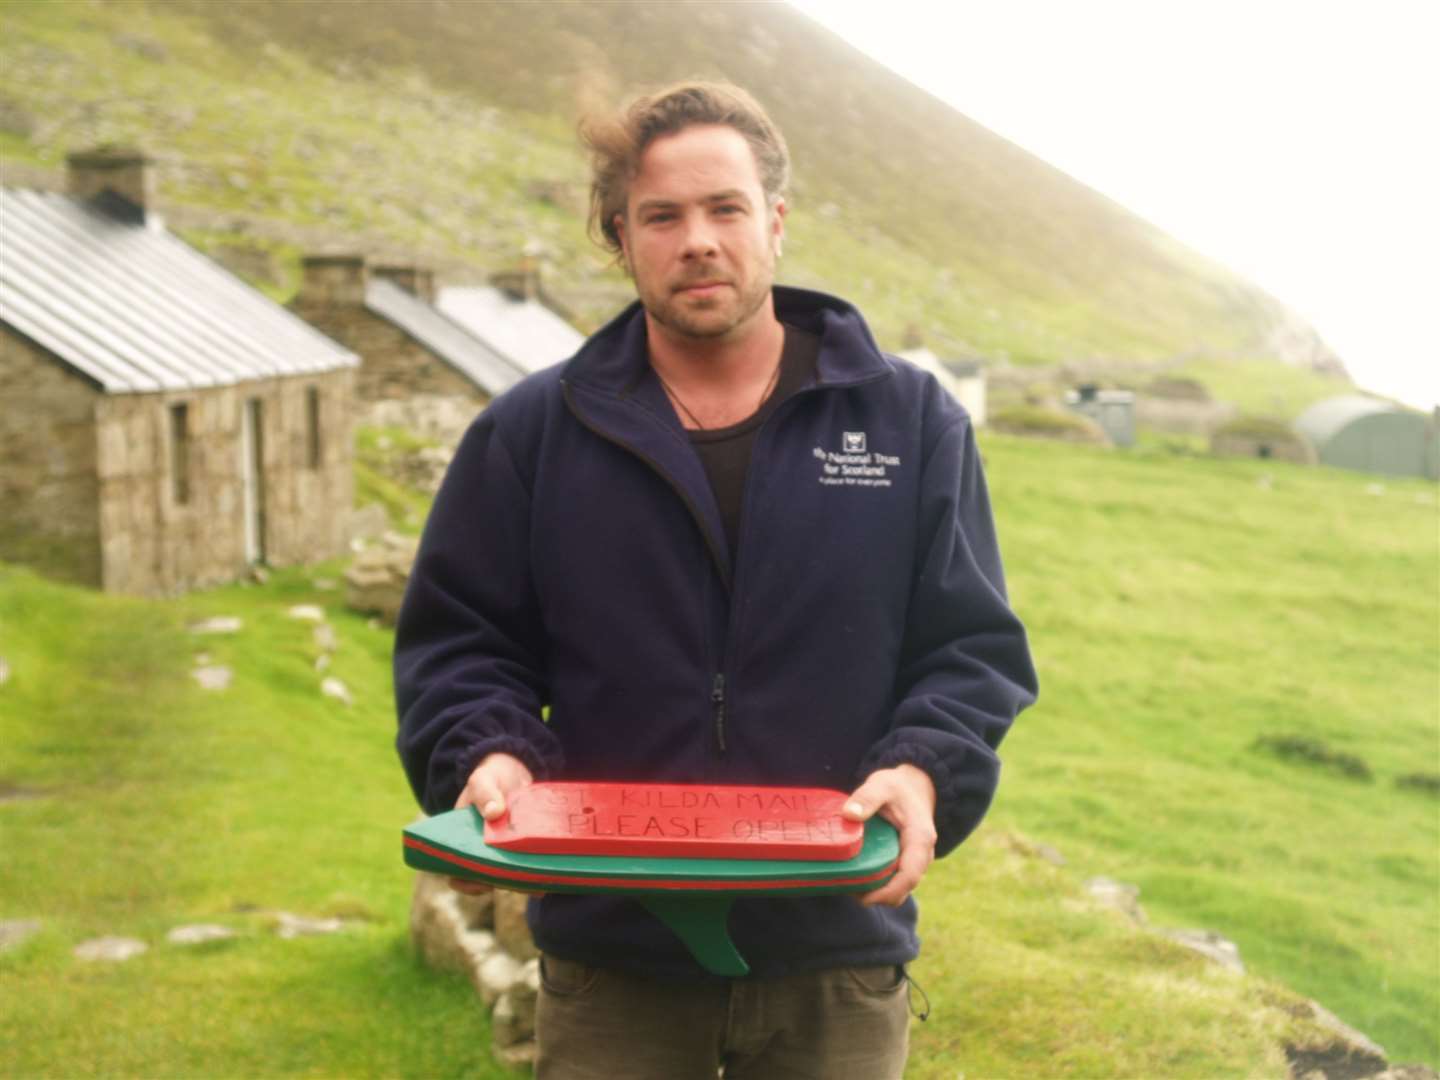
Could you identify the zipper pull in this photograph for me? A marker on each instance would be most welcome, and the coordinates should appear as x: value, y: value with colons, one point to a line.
x: 717, y: 696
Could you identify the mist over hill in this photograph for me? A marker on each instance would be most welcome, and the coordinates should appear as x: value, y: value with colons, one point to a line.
x: 443, y: 131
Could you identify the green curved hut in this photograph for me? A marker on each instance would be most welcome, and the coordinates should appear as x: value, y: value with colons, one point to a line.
x: 1369, y: 435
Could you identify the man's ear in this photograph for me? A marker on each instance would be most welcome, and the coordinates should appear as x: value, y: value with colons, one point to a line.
x: 777, y: 224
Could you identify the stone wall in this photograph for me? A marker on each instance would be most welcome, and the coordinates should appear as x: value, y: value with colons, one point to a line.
x: 48, y: 515
x: 157, y: 542
x: 393, y: 365
x: 486, y: 937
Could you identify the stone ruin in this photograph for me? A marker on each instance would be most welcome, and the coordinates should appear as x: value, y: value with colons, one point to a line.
x: 375, y: 580
x: 485, y: 937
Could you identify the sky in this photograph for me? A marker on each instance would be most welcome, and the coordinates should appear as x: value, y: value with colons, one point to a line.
x: 1296, y: 142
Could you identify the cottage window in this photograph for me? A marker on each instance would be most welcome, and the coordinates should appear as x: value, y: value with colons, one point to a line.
x: 180, y: 454
x: 312, y: 426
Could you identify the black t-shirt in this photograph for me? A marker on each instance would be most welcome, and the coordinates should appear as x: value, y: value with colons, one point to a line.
x: 725, y: 452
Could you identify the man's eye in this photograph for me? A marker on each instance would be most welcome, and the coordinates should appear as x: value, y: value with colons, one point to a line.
x: 727, y: 209
x: 654, y: 219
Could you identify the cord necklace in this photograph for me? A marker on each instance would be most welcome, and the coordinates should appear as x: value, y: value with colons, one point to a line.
x: 764, y: 393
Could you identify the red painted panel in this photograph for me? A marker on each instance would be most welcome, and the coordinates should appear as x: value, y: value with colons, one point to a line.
x: 677, y: 821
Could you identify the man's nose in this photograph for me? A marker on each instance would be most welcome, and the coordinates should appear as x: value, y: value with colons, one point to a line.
x: 699, y: 237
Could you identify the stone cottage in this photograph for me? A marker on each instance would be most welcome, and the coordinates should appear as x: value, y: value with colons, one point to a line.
x: 515, y: 318
x: 164, y: 426
x: 964, y: 380
x: 409, y: 350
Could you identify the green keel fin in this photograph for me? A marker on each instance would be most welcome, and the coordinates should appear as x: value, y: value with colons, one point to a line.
x: 700, y: 922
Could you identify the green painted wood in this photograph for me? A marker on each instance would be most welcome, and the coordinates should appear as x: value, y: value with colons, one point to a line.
x: 700, y: 922
x: 460, y: 833
x: 691, y: 896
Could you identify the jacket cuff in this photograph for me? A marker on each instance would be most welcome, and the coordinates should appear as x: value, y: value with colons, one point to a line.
x: 959, y: 806
x: 922, y: 757
x: 541, y: 765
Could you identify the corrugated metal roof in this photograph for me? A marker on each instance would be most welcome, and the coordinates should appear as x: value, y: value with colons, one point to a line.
x: 447, y: 339
x: 134, y: 309
x: 1323, y: 419
x: 525, y: 332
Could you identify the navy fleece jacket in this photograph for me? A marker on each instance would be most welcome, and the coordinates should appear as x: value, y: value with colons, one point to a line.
x: 575, y: 558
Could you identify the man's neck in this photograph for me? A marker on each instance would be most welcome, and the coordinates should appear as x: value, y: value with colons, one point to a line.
x: 716, y: 382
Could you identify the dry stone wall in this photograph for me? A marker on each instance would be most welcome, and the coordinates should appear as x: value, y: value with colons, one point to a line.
x: 394, y: 366
x: 48, y: 485
x: 156, y: 543
x: 87, y: 479
x: 484, y: 936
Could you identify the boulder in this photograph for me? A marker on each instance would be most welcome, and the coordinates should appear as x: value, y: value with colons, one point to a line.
x: 1336, y: 1052
x: 494, y: 975
x: 367, y: 522
x: 290, y: 925
x: 511, y: 930
x: 332, y: 687
x: 109, y: 949
x: 375, y: 580
x: 1118, y: 895
x: 324, y: 637
x: 213, y: 676
x: 1210, y: 945
x: 198, y: 934
x: 218, y: 624
x: 506, y: 1028
x: 446, y: 927
x: 15, y: 932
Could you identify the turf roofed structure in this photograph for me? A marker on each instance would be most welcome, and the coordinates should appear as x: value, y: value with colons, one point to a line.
x: 1369, y: 435
x: 164, y: 425
x: 408, y: 348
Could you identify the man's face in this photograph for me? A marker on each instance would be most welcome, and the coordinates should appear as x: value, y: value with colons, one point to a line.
x: 697, y: 234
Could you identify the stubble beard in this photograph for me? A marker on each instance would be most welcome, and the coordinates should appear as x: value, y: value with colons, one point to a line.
x: 712, y: 319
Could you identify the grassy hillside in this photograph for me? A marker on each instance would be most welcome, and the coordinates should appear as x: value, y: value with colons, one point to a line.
x: 1183, y: 611
x: 136, y: 801
x: 444, y: 131
x: 1180, y: 611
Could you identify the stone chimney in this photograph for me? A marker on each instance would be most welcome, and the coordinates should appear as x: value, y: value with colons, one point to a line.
x: 331, y: 280
x: 122, y: 171
x: 416, y: 280
x: 520, y: 283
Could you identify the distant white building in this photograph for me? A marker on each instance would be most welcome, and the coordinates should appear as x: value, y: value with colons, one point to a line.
x: 511, y: 317
x: 964, y: 379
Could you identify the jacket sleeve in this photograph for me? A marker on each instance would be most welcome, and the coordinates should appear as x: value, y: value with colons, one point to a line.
x: 469, y: 642
x: 965, y: 670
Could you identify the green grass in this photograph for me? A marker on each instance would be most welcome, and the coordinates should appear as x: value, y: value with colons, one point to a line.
x: 377, y: 450
x: 154, y: 803
x: 1262, y: 387
x: 1181, y: 609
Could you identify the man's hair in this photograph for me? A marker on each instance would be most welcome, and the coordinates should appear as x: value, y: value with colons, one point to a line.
x: 616, y: 143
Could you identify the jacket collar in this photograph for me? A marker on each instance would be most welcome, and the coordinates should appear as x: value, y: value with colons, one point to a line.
x: 610, y: 388
x: 616, y: 359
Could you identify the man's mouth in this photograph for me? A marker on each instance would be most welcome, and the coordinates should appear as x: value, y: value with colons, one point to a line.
x: 702, y: 288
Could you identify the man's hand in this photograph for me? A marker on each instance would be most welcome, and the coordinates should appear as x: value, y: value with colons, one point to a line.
x: 905, y: 797
x: 489, y: 788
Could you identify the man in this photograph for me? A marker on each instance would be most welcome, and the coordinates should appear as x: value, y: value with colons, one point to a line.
x: 729, y: 541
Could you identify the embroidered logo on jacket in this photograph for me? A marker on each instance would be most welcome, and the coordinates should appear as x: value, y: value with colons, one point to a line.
x: 854, y: 465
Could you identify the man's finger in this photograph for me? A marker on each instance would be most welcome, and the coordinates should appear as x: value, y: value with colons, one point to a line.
x: 865, y: 800
x: 915, y: 858
x: 470, y: 888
